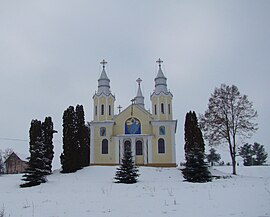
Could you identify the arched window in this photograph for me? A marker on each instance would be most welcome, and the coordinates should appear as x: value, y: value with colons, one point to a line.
x: 169, y: 109
x: 162, y: 130
x: 102, y: 109
x: 161, y: 146
x: 155, y: 109
x: 104, y: 148
x: 96, y: 110
x: 139, y: 148
x: 102, y: 131
x: 162, y: 108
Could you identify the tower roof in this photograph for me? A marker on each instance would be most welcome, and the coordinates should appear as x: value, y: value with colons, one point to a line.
x: 103, y: 81
x: 160, y: 80
x: 139, y: 99
x: 103, y: 75
x: 160, y: 74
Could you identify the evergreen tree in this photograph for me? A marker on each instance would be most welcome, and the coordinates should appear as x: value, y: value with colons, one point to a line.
x: 83, y: 137
x: 37, y: 170
x: 246, y: 152
x: 261, y: 155
x: 196, y: 169
x: 76, y: 140
x: 253, y: 154
x: 127, y: 172
x: 213, y: 157
x: 48, y: 131
x: 70, y: 142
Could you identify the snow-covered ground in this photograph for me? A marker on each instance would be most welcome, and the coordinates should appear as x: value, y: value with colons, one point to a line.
x: 159, y: 192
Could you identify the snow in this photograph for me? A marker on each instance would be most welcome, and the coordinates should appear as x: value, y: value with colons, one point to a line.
x: 159, y: 192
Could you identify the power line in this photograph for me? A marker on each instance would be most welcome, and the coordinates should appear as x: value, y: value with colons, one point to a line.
x: 23, y: 140
x: 13, y: 139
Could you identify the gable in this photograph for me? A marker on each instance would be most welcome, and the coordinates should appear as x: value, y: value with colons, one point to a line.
x: 133, y: 111
x: 13, y: 157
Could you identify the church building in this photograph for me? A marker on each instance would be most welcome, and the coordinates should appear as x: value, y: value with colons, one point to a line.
x: 149, y: 135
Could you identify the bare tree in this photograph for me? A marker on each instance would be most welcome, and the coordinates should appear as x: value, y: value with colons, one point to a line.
x: 7, y: 153
x: 229, y: 116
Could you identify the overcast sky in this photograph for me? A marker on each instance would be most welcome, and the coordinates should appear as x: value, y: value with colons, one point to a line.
x: 50, y: 53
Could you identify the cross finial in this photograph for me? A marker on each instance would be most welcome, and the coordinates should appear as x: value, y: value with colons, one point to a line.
x: 103, y: 62
x: 159, y: 61
x: 133, y: 101
x: 119, y: 108
x: 139, y: 80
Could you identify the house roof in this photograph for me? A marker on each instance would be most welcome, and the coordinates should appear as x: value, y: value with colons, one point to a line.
x: 22, y: 157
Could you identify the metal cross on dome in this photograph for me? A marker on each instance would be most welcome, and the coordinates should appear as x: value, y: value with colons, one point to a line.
x: 159, y: 61
x: 139, y: 80
x: 103, y: 62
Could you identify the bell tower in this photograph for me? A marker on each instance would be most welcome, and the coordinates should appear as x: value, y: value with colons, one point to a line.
x: 103, y: 98
x: 161, y: 98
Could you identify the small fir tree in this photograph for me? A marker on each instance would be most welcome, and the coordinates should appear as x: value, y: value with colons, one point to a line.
x: 213, y: 157
x: 127, y: 172
x: 196, y: 169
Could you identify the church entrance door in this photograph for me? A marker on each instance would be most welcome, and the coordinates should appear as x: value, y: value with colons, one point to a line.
x: 127, y: 145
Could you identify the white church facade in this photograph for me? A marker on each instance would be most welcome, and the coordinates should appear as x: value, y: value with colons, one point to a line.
x: 149, y: 135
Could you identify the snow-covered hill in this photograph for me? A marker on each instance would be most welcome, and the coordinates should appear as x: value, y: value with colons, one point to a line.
x: 159, y: 192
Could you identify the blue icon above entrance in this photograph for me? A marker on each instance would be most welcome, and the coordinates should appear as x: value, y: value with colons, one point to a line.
x: 132, y: 126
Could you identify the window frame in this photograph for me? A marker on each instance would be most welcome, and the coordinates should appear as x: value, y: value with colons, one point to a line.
x: 161, y: 146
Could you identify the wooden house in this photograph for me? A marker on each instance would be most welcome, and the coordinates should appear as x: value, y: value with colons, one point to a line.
x: 14, y: 164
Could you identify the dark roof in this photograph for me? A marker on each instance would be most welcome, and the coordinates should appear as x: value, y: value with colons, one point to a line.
x: 13, y: 154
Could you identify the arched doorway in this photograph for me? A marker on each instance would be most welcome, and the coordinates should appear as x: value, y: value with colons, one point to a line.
x: 127, y: 145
